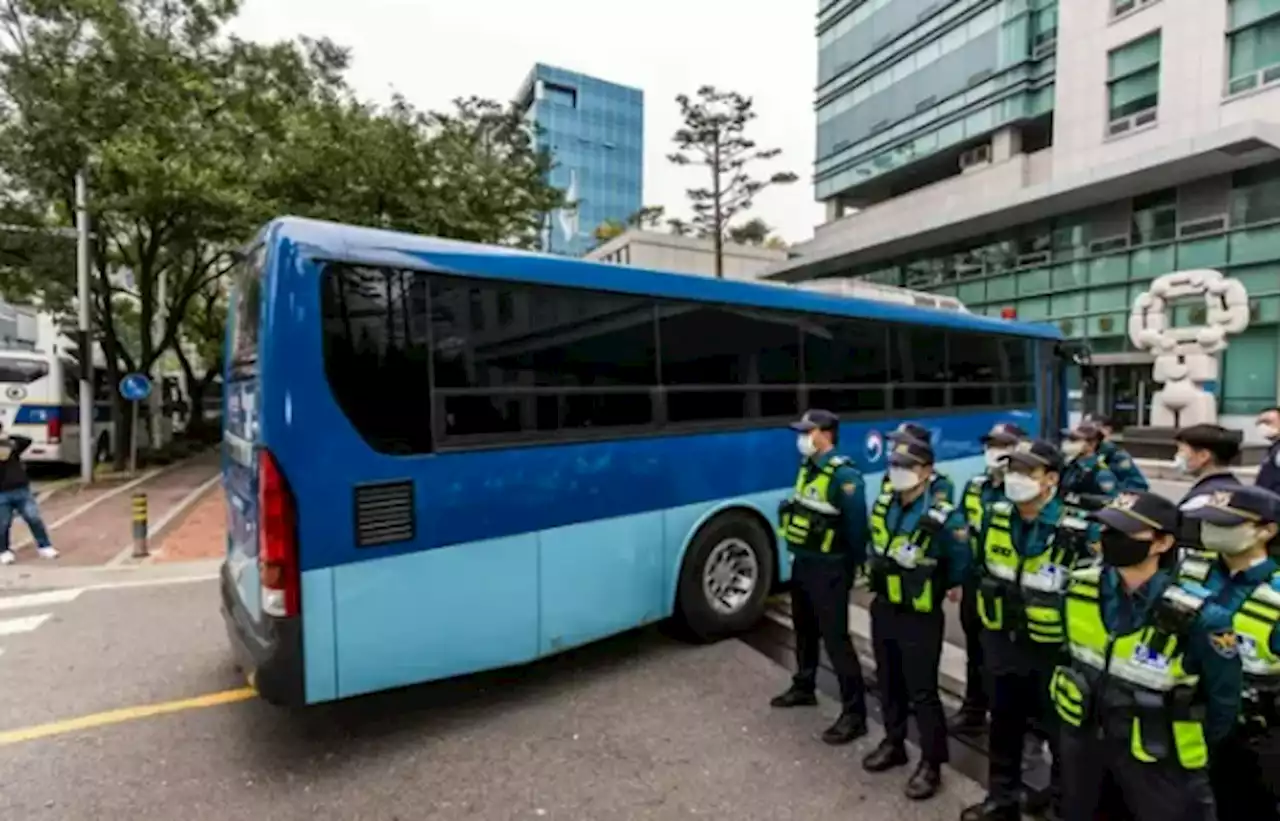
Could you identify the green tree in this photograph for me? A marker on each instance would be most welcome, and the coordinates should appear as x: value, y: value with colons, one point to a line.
x: 714, y: 136
x: 609, y: 229
x: 192, y: 138
x: 754, y: 231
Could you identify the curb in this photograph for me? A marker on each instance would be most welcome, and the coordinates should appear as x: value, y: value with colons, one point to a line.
x: 156, y: 532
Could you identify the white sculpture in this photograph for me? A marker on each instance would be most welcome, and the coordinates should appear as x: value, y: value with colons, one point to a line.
x: 1185, y: 358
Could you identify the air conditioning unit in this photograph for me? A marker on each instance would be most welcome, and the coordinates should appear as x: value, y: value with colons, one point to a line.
x: 978, y: 155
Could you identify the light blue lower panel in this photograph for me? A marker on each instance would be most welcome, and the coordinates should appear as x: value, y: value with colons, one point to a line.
x: 436, y: 614
x: 683, y: 522
x: 318, y: 645
x: 600, y: 578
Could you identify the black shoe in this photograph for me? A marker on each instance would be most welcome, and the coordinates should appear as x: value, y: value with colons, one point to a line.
x: 848, y: 727
x: 924, y: 782
x: 794, y: 697
x: 991, y: 810
x: 885, y: 757
x: 968, y: 723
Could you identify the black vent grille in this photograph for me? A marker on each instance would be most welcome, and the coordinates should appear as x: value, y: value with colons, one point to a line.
x: 384, y: 513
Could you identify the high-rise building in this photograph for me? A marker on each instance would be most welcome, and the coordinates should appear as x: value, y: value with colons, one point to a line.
x: 1046, y: 159
x: 595, y: 132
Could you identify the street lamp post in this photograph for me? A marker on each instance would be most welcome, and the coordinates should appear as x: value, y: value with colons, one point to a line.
x: 87, y: 409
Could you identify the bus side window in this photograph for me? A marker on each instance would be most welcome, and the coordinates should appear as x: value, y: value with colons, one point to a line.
x: 70, y: 381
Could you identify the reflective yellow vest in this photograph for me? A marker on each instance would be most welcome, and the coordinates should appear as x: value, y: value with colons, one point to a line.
x: 902, y: 571
x: 1020, y: 594
x: 808, y: 521
x: 1255, y: 623
x: 1153, y: 680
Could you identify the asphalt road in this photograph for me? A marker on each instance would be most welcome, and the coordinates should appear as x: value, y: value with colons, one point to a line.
x: 641, y: 727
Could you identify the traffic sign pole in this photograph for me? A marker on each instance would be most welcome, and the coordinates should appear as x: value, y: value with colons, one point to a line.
x: 134, y: 387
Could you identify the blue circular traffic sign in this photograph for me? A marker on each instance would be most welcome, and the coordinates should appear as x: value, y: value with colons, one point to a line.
x: 135, y: 387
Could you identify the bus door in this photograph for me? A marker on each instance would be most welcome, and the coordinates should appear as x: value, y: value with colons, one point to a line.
x: 1054, y: 400
x: 241, y: 433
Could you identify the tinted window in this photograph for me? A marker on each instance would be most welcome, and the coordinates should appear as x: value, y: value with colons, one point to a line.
x: 513, y: 359
x: 976, y: 369
x: 918, y: 368
x: 721, y: 363
x: 22, y: 371
x: 247, y: 309
x: 846, y: 364
x: 376, y: 354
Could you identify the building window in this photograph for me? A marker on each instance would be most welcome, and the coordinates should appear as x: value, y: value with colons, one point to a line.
x: 1253, y: 45
x: 1119, y: 8
x: 1255, y: 195
x: 1155, y: 217
x: 1133, y: 84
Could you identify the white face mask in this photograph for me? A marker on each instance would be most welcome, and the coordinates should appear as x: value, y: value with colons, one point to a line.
x: 903, y: 479
x: 1072, y: 449
x: 1020, y: 488
x: 1180, y: 464
x: 1227, y: 540
x: 804, y: 444
x: 995, y: 458
x: 1268, y: 432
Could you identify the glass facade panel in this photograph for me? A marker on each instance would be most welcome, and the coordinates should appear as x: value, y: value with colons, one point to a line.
x: 1149, y: 263
x: 594, y: 131
x: 1035, y: 281
x: 1072, y: 275
x: 1109, y: 299
x: 1256, y: 47
x: 1249, y: 371
x: 1108, y: 270
x: 1248, y: 12
x: 1255, y: 245
x: 1210, y: 252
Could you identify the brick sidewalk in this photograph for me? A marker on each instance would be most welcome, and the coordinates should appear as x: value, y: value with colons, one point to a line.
x: 96, y: 536
x: 202, y: 533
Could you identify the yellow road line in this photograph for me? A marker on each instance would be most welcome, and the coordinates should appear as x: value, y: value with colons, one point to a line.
x: 123, y: 715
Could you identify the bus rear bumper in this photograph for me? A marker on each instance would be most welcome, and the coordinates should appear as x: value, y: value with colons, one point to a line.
x: 270, y: 654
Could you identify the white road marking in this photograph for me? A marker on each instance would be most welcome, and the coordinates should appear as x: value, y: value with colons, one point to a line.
x: 128, y: 583
x: 40, y: 599
x: 12, y: 627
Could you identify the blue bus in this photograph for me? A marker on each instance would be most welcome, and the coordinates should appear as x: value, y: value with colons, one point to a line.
x: 441, y: 458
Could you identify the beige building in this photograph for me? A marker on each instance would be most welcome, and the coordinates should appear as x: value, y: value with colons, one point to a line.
x: 685, y: 255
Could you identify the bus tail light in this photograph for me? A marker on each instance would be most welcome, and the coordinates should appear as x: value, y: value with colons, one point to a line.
x: 53, y: 428
x: 277, y: 541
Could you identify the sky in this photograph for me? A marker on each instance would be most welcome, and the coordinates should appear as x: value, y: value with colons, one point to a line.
x: 435, y: 50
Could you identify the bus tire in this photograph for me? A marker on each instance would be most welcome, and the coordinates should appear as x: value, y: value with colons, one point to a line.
x: 726, y: 553
x: 102, y: 450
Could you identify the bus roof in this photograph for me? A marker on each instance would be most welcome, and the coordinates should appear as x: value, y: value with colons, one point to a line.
x: 371, y: 246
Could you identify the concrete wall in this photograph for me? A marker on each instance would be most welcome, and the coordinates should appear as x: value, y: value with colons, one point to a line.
x: 685, y: 255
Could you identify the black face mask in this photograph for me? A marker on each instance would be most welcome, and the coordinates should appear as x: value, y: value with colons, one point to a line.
x: 1122, y: 550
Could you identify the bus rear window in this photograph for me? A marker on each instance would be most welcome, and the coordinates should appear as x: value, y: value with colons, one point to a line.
x: 22, y: 371
x: 247, y: 311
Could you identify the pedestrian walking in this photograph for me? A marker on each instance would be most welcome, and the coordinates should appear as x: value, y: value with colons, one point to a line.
x: 824, y: 524
x: 16, y: 499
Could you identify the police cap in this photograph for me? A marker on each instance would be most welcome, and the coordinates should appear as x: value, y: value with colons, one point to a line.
x: 1209, y: 437
x: 1037, y: 453
x: 910, y: 453
x: 1237, y: 506
x: 1084, y: 432
x: 1004, y: 434
x: 815, y: 419
x: 1134, y: 512
x: 910, y: 430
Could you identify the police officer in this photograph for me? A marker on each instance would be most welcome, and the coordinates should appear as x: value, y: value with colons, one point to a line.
x: 1153, y: 681
x: 1027, y: 548
x: 824, y: 524
x: 1269, y: 430
x: 979, y: 492
x: 940, y: 486
x: 920, y: 550
x: 1238, y: 526
x: 1086, y: 483
x: 1205, y: 453
x: 1116, y: 459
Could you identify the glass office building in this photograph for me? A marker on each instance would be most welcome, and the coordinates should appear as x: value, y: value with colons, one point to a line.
x: 595, y: 132
x: 1046, y: 160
